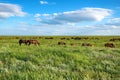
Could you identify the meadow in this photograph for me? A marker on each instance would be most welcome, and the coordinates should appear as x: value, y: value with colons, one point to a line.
x: 50, y: 61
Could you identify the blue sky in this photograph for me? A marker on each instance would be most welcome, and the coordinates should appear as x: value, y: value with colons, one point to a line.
x: 59, y: 17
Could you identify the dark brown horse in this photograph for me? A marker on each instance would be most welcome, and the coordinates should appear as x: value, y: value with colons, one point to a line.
x: 23, y: 41
x: 111, y: 45
x: 61, y: 43
x: 35, y: 42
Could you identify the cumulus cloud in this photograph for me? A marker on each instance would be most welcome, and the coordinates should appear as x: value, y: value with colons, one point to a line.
x: 43, y: 2
x: 9, y: 10
x: 85, y: 14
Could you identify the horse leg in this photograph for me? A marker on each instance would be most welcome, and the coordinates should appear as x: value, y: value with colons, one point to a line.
x: 25, y: 43
x: 20, y: 44
x: 35, y: 44
x: 29, y: 43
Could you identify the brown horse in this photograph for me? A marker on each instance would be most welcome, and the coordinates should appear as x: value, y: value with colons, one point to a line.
x: 111, y: 45
x: 61, y: 43
x: 35, y: 42
x: 22, y: 41
x: 87, y: 44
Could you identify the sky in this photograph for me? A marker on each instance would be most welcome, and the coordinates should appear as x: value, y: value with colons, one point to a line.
x: 60, y: 17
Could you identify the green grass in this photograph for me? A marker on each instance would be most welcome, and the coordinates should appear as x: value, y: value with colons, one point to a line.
x: 50, y: 61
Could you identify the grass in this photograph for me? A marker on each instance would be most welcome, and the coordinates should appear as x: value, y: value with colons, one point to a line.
x: 50, y: 61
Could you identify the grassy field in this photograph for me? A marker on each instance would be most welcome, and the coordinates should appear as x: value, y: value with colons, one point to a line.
x: 50, y: 61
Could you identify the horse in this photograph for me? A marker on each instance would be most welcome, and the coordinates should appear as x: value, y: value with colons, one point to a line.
x: 23, y: 41
x: 87, y: 44
x: 35, y: 42
x: 111, y: 45
x: 61, y: 43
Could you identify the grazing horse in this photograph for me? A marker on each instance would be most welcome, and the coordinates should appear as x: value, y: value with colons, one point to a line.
x: 35, y: 42
x: 111, y: 45
x: 61, y: 43
x: 22, y: 41
x: 48, y: 37
x: 87, y: 44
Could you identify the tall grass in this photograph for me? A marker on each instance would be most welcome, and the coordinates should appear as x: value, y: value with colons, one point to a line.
x: 50, y: 61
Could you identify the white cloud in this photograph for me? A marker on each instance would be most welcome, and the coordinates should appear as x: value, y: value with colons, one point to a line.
x: 46, y: 15
x: 85, y: 14
x: 37, y: 15
x: 71, y: 24
x: 55, y: 14
x: 114, y: 27
x: 114, y: 22
x: 9, y: 10
x: 43, y: 2
x: 43, y: 15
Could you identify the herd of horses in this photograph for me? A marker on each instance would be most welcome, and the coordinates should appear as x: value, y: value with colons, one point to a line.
x: 35, y: 42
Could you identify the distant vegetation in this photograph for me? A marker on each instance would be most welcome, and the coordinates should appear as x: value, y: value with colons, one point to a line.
x: 60, y: 58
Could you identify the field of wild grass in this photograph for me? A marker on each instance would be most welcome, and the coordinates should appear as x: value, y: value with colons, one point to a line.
x: 50, y: 61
